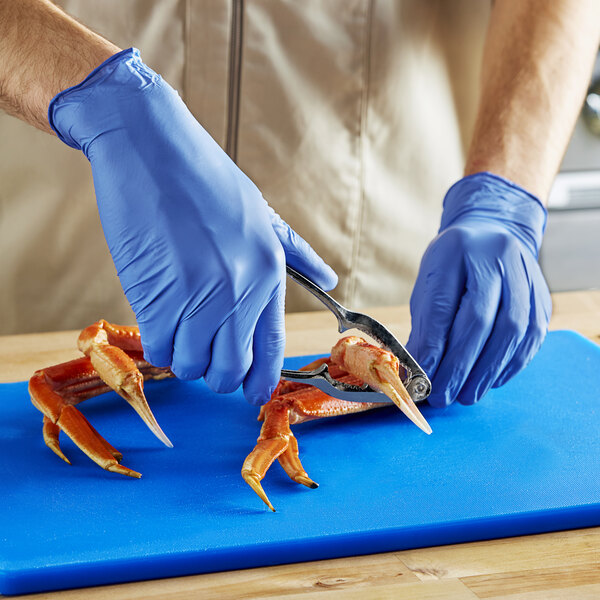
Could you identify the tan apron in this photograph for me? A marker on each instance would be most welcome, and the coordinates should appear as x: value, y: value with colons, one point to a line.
x: 352, y: 117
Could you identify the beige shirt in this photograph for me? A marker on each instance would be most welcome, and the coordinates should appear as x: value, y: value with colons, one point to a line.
x: 352, y: 116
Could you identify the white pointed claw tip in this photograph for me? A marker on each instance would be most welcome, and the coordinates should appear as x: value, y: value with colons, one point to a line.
x: 391, y: 385
x: 412, y: 412
x: 419, y: 420
x: 409, y: 408
x: 160, y: 434
x: 144, y: 411
x: 153, y: 425
x: 134, y: 394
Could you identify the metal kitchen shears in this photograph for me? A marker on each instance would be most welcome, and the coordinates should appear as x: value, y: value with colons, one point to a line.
x: 414, y: 378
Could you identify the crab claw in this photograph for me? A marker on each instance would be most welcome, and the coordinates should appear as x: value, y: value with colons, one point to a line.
x: 380, y: 369
x: 131, y: 388
x: 117, y: 369
x: 391, y: 385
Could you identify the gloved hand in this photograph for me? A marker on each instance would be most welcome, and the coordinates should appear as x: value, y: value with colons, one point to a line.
x: 480, y: 306
x: 200, y: 255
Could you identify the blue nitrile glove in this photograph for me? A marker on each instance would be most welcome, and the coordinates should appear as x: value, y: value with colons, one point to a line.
x: 200, y: 255
x: 480, y: 307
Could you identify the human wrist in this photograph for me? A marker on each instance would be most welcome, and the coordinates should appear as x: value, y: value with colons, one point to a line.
x: 97, y: 52
x: 490, y: 197
x: 120, y: 78
x: 42, y: 50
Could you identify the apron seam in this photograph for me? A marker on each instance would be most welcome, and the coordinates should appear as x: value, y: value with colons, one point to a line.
x: 235, y: 78
x: 364, y: 101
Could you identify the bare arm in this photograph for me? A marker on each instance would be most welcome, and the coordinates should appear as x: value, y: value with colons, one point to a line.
x: 43, y: 51
x: 537, y: 64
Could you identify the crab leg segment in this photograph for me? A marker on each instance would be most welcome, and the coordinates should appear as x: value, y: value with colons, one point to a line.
x: 352, y: 361
x: 50, y: 431
x: 301, y: 403
x: 380, y: 369
x: 55, y: 390
x: 272, y: 442
x: 106, y: 346
x: 46, y: 389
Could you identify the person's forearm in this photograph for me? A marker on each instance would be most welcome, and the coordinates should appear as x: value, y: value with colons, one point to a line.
x: 43, y: 51
x: 536, y: 67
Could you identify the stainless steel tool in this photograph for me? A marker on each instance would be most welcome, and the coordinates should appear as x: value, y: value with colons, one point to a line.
x: 414, y: 378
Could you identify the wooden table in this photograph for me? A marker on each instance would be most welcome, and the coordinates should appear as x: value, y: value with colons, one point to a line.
x: 549, y: 566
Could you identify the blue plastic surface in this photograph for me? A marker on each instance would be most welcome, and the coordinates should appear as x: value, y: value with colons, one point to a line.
x: 524, y: 460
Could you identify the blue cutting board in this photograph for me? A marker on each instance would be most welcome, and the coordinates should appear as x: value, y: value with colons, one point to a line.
x: 524, y: 460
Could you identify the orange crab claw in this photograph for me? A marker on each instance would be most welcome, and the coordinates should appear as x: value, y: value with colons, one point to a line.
x: 380, y: 369
x: 106, y: 345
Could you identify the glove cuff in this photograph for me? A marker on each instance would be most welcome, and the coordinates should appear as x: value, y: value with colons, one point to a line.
x: 124, y: 71
x: 493, y: 198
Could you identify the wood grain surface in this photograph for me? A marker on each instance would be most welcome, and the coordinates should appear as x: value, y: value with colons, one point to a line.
x: 539, y: 567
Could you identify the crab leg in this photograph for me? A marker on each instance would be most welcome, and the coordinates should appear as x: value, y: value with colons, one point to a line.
x: 289, y: 459
x: 59, y: 413
x: 106, y: 346
x: 354, y: 361
x: 276, y: 440
x: 51, y: 432
x: 380, y: 369
x: 257, y: 463
x: 55, y: 390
